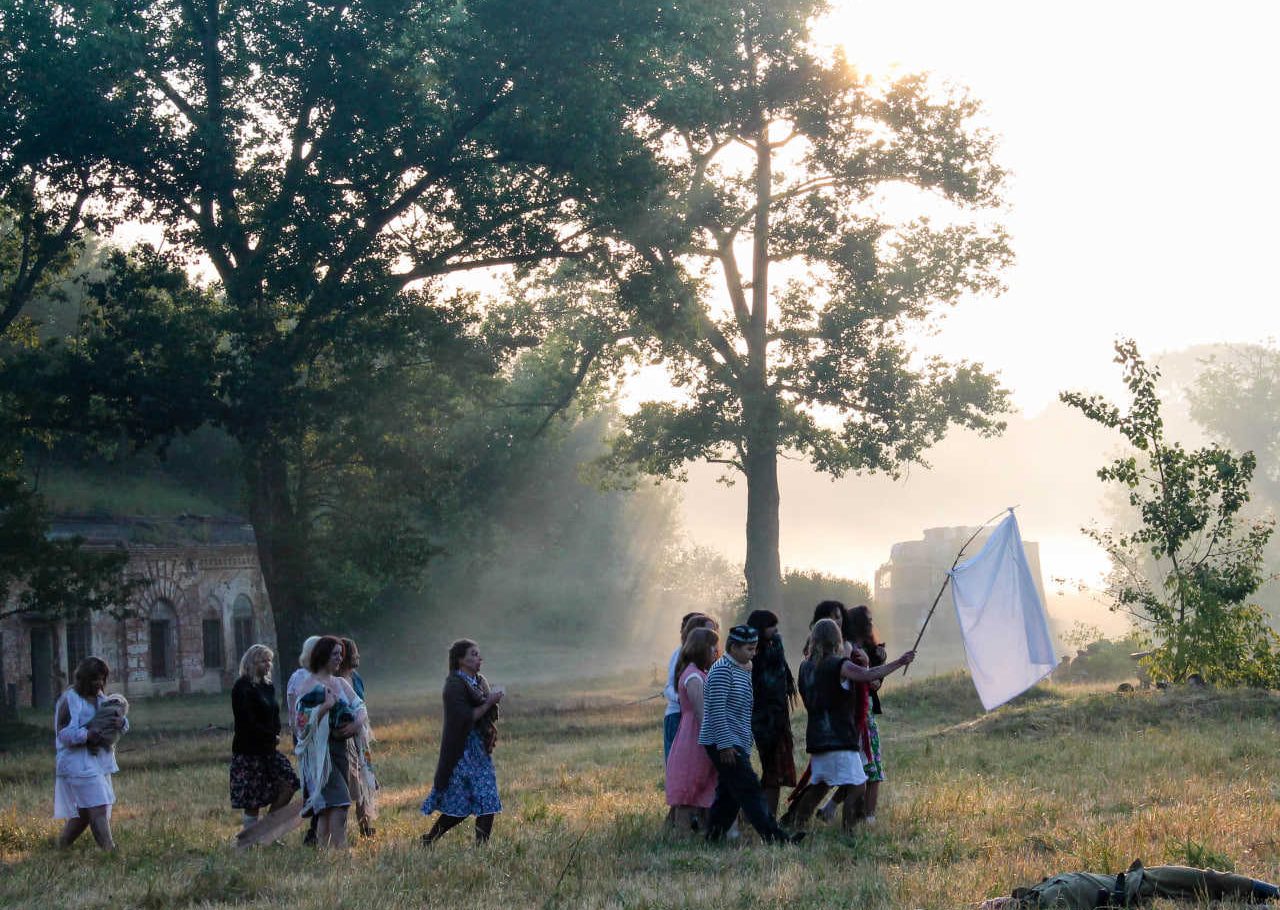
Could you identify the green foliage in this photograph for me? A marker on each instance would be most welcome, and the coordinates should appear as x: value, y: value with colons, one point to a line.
x: 1188, y: 852
x: 1187, y: 571
x: 1098, y: 659
x: 541, y: 553
x: 49, y: 577
x: 331, y: 167
x: 1234, y: 398
x: 774, y: 156
x: 804, y: 589
x: 40, y: 575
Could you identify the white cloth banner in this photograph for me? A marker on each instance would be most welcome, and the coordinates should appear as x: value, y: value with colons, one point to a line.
x: 1003, y: 623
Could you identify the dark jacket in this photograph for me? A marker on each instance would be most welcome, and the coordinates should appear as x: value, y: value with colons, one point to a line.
x: 257, y: 717
x: 772, y: 687
x: 830, y: 727
x: 460, y: 701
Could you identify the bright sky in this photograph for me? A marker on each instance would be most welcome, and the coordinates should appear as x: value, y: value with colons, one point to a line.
x: 1142, y: 138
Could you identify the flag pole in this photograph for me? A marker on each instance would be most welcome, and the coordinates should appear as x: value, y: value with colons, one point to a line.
x: 947, y: 579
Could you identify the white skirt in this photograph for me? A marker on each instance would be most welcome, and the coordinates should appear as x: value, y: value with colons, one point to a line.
x: 71, y: 794
x: 837, y: 769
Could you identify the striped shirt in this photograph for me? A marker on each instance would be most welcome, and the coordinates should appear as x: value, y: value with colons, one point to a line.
x: 726, y: 711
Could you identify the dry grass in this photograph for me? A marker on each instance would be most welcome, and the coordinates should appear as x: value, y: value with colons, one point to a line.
x: 1065, y: 778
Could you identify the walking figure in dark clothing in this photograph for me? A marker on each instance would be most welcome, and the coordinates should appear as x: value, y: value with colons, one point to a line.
x: 726, y: 735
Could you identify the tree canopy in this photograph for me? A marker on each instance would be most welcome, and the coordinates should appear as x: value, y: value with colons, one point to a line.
x: 1187, y: 572
x: 776, y: 280
x: 329, y: 164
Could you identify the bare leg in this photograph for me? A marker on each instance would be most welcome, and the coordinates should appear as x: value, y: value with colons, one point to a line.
x: 801, y: 811
x: 283, y: 796
x: 73, y: 828
x: 873, y: 796
x: 852, y: 813
x: 338, y: 828
x: 100, y: 824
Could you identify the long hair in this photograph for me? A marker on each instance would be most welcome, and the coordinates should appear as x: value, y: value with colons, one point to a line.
x: 90, y: 668
x: 249, y: 663
x: 350, y: 654
x: 825, y: 641
x: 304, y: 657
x: 698, y: 649
x: 697, y: 621
x: 684, y: 624
x: 322, y: 651
x: 828, y: 609
x: 859, y: 629
x: 457, y: 651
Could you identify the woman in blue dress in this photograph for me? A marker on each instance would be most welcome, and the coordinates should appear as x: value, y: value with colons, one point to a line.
x: 465, y: 783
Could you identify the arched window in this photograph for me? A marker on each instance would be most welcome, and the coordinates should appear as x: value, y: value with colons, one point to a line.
x: 211, y: 637
x: 242, y: 624
x: 163, y: 629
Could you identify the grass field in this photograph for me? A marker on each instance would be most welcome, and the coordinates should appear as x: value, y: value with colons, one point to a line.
x: 1065, y: 778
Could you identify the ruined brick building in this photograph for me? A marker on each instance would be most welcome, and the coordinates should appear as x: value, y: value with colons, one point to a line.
x: 205, y: 604
x: 907, y: 585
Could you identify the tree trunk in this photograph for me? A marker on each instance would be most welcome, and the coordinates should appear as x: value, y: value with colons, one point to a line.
x: 763, y: 567
x: 279, y: 553
x: 760, y: 407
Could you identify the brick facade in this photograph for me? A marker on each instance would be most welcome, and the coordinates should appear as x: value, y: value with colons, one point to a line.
x: 206, y: 597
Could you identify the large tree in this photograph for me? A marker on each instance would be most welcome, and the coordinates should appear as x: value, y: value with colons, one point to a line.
x: 324, y: 160
x: 778, y: 277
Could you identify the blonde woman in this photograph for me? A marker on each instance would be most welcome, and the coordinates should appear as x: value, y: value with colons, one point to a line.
x: 835, y: 735
x: 260, y: 775
x: 291, y: 692
x: 294, y: 687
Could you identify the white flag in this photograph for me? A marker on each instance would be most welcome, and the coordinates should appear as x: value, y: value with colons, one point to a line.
x: 1003, y: 623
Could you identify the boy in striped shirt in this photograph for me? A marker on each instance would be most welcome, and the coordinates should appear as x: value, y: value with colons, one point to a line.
x: 726, y: 735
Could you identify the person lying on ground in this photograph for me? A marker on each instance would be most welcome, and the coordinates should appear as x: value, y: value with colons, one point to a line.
x: 1134, y: 887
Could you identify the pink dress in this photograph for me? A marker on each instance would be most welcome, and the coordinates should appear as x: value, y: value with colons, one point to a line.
x: 691, y: 778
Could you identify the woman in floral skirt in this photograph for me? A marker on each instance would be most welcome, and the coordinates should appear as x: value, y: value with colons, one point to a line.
x: 465, y: 783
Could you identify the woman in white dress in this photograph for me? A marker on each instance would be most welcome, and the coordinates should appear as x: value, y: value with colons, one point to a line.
x: 82, y: 792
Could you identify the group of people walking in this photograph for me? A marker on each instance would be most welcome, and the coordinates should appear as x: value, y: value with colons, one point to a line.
x: 720, y: 706
x: 332, y: 738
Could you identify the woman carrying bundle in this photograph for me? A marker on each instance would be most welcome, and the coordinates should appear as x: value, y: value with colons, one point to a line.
x: 328, y: 714
x: 82, y: 791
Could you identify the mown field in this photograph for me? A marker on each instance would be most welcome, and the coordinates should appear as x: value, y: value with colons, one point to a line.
x: 1065, y: 778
